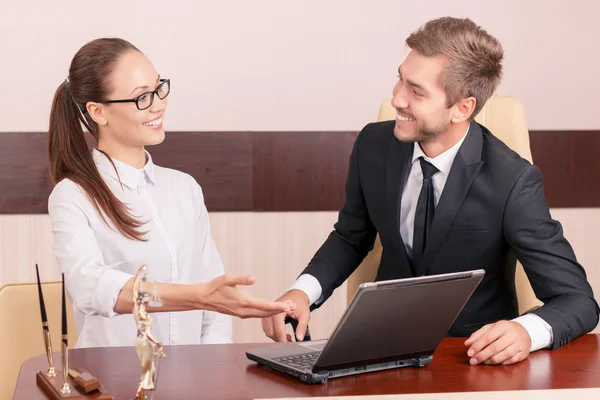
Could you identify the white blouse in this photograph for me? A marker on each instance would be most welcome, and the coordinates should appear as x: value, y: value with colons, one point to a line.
x: 97, y: 260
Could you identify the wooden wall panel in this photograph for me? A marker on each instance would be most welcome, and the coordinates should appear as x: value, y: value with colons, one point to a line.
x: 221, y: 162
x: 300, y: 171
x: 285, y: 171
x: 24, y: 177
x: 570, y: 164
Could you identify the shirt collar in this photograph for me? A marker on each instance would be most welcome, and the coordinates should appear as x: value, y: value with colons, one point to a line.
x: 129, y: 176
x: 443, y: 162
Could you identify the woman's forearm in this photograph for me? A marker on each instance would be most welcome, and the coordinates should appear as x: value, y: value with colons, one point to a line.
x: 221, y: 295
x: 175, y: 297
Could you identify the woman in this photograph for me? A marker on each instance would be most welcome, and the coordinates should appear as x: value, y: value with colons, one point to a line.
x: 113, y: 210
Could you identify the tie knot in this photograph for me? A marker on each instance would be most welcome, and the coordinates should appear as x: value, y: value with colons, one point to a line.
x: 428, y: 168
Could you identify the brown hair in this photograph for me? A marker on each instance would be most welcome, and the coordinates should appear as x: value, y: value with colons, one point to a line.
x: 69, y: 155
x: 474, y: 57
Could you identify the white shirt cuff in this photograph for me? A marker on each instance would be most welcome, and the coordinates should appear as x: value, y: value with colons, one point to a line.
x: 310, y: 286
x: 539, y: 331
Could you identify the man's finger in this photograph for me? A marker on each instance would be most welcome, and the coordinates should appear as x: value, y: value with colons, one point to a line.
x: 279, y: 328
x: 506, y: 354
x: 491, y: 350
x: 478, y: 333
x: 520, y: 356
x: 484, y: 340
x: 302, y: 326
x: 267, y: 325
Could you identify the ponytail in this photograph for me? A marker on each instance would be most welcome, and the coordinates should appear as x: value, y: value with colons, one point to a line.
x: 70, y: 158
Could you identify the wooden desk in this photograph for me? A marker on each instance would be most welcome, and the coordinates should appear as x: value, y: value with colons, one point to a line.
x: 223, y: 372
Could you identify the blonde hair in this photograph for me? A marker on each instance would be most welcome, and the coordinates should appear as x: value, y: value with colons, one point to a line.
x: 473, y: 58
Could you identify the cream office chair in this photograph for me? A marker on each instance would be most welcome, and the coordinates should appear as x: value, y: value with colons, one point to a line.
x: 505, y: 118
x: 21, y: 328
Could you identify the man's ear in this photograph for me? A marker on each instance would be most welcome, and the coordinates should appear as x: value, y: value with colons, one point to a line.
x: 464, y: 109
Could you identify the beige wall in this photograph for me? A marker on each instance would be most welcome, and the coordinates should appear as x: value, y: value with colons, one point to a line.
x: 273, y: 246
x: 276, y: 65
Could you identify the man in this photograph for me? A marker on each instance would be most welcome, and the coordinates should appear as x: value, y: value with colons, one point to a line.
x: 445, y: 195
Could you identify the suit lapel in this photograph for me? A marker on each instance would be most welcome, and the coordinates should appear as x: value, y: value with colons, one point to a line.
x: 464, y: 169
x: 398, y: 160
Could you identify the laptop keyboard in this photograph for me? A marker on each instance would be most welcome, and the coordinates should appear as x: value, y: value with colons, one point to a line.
x: 300, y: 361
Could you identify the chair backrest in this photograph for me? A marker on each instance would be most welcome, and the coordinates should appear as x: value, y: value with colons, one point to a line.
x: 504, y: 116
x: 21, y: 328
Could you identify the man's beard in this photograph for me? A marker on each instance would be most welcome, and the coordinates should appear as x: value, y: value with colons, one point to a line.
x: 430, y: 133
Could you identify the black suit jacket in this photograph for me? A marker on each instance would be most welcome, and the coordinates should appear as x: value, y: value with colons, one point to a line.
x: 491, y: 213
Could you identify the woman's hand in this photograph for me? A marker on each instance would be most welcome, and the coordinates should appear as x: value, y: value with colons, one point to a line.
x: 222, y: 295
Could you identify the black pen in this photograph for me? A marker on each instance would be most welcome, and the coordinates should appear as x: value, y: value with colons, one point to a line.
x: 41, y: 298
x: 45, y: 328
x: 64, y: 312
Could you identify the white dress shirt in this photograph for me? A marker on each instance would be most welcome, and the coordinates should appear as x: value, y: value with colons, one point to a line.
x: 97, y: 260
x: 539, y: 331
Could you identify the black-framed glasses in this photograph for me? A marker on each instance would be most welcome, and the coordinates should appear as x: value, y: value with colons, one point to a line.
x: 145, y: 100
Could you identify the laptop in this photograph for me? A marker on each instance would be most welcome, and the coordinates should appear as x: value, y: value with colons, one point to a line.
x: 388, y: 324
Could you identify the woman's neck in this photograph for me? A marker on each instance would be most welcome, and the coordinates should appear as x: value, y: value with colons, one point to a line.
x: 132, y: 156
